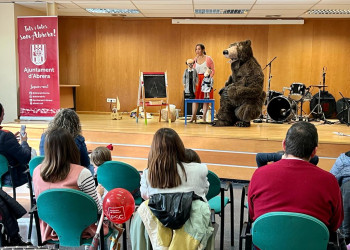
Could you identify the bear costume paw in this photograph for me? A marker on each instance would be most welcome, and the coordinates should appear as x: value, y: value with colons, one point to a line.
x: 242, y: 124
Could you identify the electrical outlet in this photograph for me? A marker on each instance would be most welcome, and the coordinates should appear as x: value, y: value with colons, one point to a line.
x: 111, y: 100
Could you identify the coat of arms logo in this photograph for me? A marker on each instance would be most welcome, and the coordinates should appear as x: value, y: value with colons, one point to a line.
x: 38, y: 53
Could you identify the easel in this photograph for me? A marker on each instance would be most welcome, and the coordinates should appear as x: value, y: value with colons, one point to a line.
x: 155, y: 101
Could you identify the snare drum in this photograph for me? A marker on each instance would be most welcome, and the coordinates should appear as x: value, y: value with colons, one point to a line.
x: 279, y: 108
x: 297, y: 91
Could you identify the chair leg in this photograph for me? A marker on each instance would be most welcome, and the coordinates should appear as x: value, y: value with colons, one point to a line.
x: 102, y: 239
x: 14, y: 192
x: 241, y: 216
x: 37, y: 225
x: 222, y: 222
x: 232, y: 214
x: 125, y: 246
x: 30, y: 227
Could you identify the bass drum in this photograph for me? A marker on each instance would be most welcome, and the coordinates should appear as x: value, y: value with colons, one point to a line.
x: 327, y: 102
x: 279, y: 108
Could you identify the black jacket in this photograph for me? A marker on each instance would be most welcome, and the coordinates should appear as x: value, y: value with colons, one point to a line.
x: 10, y: 211
x: 18, y: 156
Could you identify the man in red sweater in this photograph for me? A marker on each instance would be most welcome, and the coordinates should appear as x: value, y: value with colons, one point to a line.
x: 295, y: 185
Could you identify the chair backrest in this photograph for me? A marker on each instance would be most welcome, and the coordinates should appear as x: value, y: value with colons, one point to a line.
x: 215, y: 184
x: 116, y: 174
x: 4, y: 166
x: 33, y: 163
x: 289, y: 231
x: 68, y: 212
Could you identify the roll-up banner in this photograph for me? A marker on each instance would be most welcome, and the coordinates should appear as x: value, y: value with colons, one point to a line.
x: 38, y: 67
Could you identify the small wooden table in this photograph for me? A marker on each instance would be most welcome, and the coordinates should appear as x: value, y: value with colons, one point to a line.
x: 68, y: 96
x: 212, y: 101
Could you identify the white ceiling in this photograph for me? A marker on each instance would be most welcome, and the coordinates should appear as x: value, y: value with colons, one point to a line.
x: 185, y: 8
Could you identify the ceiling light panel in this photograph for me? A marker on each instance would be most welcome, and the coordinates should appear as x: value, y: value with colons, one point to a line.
x: 221, y: 11
x: 329, y: 12
x: 220, y: 15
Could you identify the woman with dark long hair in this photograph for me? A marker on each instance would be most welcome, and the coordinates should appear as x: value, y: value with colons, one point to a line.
x: 169, y: 171
x: 61, y: 169
x: 202, y: 63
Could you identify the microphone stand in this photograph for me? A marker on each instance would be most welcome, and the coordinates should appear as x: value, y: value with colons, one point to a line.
x: 268, y: 85
x: 348, y: 109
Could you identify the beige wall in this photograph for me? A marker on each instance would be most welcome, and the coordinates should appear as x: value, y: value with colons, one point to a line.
x: 8, y: 60
x: 104, y: 55
x: 8, y: 93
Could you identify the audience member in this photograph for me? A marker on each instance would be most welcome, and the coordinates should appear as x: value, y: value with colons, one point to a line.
x: 60, y: 169
x: 295, y: 185
x: 263, y: 159
x: 341, y: 171
x: 192, y: 156
x: 341, y: 168
x: 69, y: 120
x: 99, y: 156
x: 169, y: 171
x: 18, y: 155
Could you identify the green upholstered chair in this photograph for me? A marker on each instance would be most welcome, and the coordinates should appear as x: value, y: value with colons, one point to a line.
x: 289, y: 231
x: 116, y: 174
x: 69, y: 212
x: 4, y: 168
x: 217, y: 202
x: 33, y: 163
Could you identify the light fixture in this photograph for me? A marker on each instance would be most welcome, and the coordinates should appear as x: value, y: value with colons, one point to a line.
x: 329, y: 12
x: 113, y: 11
x: 221, y: 11
x: 238, y: 21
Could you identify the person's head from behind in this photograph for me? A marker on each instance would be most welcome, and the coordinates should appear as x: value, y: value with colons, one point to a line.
x: 67, y: 119
x: 301, y: 140
x: 100, y: 155
x: 192, y: 156
x: 2, y: 113
x: 167, y: 150
x: 60, y: 152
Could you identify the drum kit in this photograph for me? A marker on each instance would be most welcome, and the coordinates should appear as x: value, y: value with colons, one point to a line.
x: 281, y: 108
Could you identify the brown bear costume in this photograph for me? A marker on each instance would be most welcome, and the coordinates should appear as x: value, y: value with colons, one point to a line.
x: 242, y: 97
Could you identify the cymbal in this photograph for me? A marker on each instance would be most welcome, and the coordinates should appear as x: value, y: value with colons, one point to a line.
x: 319, y: 86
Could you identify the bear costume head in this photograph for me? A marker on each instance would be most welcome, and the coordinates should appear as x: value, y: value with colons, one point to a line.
x: 239, y: 51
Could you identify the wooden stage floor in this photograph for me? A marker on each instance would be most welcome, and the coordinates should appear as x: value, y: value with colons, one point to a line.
x: 228, y: 151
